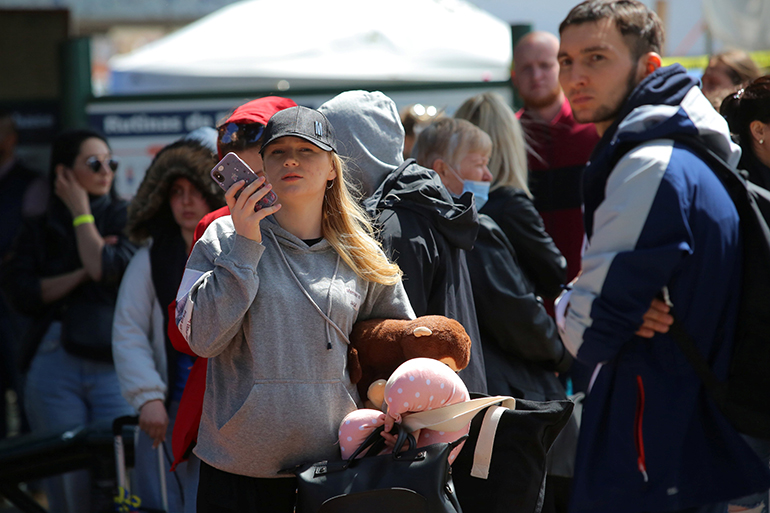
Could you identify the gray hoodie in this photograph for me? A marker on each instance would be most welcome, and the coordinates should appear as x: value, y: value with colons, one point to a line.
x: 277, y: 385
x: 369, y: 134
x: 421, y: 226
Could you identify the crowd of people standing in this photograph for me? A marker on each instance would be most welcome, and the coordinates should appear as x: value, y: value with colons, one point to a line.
x: 559, y: 236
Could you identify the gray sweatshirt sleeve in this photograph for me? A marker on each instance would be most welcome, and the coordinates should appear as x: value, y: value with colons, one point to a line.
x: 386, y: 302
x: 219, y: 286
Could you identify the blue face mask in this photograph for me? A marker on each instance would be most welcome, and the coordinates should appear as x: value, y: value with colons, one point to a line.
x: 479, y: 189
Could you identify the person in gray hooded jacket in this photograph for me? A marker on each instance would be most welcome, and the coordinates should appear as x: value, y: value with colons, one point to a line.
x: 425, y: 230
x: 269, y: 297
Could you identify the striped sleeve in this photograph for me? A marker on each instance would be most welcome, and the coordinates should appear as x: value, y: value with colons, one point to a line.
x: 640, y: 235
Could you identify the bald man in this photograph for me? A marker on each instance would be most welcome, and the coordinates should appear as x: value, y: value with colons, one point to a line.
x: 559, y: 146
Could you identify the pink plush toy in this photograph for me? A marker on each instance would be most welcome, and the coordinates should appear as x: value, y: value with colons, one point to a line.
x: 416, y: 385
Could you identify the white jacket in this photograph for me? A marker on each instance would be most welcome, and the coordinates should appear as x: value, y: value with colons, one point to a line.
x: 138, y: 342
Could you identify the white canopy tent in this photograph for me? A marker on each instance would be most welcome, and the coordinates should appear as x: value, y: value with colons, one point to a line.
x: 276, y: 45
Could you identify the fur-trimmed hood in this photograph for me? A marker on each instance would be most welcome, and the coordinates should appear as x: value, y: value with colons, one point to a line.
x: 149, y: 211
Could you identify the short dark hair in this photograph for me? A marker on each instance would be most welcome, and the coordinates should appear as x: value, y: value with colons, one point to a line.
x: 66, y: 146
x: 744, y: 107
x: 639, y: 26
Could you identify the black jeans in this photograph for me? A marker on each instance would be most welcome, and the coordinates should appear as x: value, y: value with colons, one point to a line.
x: 223, y: 492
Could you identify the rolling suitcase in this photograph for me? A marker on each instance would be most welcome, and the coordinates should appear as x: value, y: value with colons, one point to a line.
x: 125, y: 501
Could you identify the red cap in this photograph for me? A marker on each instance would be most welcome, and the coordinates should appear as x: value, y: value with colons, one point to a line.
x: 258, y: 111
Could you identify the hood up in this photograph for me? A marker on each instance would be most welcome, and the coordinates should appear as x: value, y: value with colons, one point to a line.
x: 371, y: 139
x: 149, y: 212
x: 369, y: 134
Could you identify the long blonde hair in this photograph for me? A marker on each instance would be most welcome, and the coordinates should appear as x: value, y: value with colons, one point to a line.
x: 349, y: 230
x: 508, y: 162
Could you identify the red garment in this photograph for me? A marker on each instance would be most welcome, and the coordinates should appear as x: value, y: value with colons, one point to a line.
x: 257, y: 111
x: 560, y: 150
x: 188, y: 416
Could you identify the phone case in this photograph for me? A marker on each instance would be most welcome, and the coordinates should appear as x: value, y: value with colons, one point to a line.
x: 232, y: 169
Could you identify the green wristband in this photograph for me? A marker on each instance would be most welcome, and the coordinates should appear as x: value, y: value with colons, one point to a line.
x: 83, y: 219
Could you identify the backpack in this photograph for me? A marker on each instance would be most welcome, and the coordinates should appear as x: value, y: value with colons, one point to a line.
x: 744, y: 398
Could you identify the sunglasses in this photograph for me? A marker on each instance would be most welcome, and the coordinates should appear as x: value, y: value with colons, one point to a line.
x: 96, y: 165
x: 240, y: 134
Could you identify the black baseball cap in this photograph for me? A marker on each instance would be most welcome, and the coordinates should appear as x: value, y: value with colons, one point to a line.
x: 301, y: 122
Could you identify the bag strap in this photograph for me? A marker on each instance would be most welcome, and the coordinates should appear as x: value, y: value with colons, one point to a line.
x: 482, y: 456
x: 456, y: 416
x: 710, y: 381
x: 453, y: 417
x: 376, y: 443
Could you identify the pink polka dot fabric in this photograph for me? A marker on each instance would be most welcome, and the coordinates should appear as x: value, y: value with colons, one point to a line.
x: 355, y: 427
x: 417, y: 385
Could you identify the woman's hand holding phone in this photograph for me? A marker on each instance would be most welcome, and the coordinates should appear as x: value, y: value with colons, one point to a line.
x: 245, y: 218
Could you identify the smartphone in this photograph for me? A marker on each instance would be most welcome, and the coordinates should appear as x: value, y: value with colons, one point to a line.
x: 232, y: 169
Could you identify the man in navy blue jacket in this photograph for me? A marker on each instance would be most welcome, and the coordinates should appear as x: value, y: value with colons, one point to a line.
x: 659, y: 224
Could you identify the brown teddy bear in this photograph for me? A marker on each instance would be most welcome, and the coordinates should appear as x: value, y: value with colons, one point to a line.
x: 379, y: 346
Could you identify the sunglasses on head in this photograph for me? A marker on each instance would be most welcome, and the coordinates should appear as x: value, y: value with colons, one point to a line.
x: 96, y: 165
x: 240, y: 134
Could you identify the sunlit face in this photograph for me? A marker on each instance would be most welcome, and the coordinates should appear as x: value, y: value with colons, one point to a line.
x: 95, y: 183
x: 187, y: 203
x: 472, y: 166
x: 596, y: 71
x: 298, y: 169
x: 537, y: 74
x: 717, y: 77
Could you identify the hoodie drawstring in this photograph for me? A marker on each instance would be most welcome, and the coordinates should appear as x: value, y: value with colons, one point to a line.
x: 329, y: 301
x: 305, y: 292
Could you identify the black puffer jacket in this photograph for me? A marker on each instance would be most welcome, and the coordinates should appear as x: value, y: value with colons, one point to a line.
x: 522, y: 348
x: 428, y: 234
x: 47, y: 247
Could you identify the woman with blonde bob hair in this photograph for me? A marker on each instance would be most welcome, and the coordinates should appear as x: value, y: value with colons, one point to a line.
x: 269, y: 297
x: 510, y: 202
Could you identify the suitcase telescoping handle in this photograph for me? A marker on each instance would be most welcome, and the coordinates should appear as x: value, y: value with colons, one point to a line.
x: 120, y: 457
x: 120, y: 452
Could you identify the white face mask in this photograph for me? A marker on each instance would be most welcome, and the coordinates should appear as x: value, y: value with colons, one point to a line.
x: 479, y: 189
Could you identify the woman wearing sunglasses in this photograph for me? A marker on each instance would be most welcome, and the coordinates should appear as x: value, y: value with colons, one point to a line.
x: 64, y: 272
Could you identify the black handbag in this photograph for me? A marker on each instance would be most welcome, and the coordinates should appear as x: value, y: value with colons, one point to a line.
x: 410, y: 481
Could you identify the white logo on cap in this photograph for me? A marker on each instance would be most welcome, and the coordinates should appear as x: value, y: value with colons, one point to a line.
x: 318, y: 129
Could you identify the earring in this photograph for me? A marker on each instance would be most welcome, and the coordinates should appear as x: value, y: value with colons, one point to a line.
x: 761, y: 141
x: 331, y: 183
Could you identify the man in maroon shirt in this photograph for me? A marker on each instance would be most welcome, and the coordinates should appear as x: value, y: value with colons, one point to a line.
x: 559, y: 149
x: 559, y: 146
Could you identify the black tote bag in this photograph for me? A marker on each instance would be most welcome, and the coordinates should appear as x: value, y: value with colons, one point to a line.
x: 508, y: 475
x: 409, y: 481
